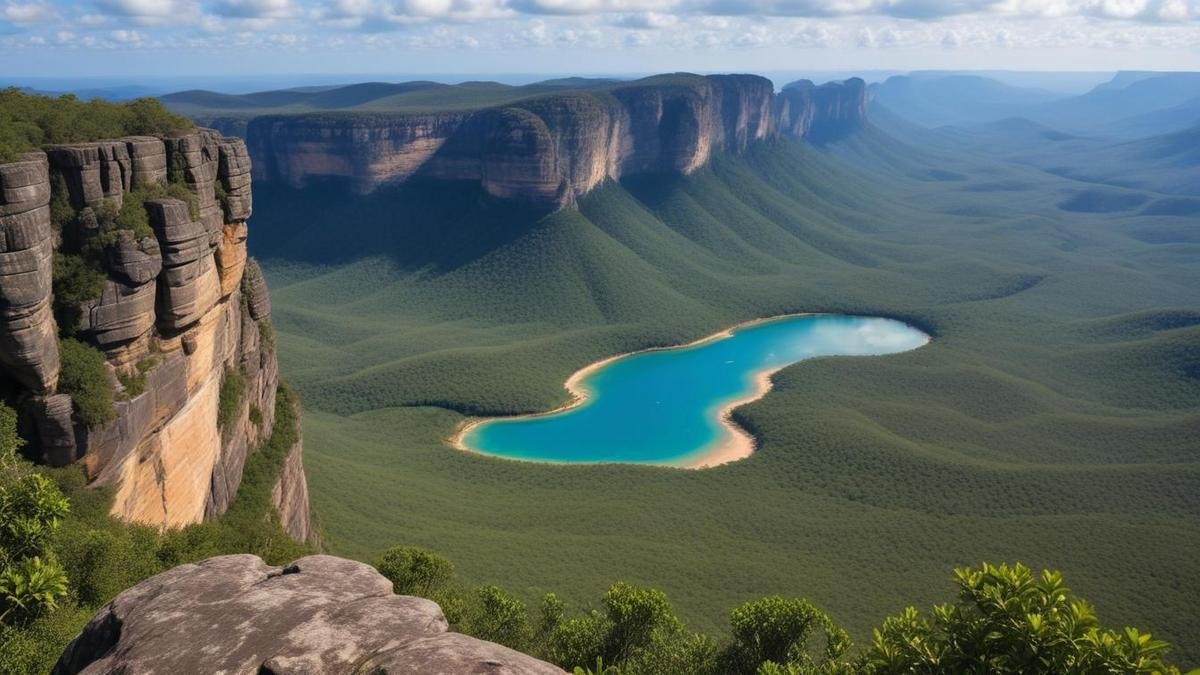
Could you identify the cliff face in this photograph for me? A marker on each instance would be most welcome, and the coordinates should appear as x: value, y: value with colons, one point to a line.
x: 548, y: 151
x: 820, y: 113
x: 182, y: 321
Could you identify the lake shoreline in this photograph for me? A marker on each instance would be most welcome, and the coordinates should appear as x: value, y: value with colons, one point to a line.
x: 740, y: 444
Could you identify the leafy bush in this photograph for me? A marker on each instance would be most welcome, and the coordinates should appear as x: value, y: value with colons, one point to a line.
x: 134, y: 383
x: 30, y: 587
x: 1007, y: 620
x: 633, y: 620
x: 233, y: 389
x: 778, y: 630
x: 76, y: 281
x: 132, y: 215
x: 266, y: 333
x: 500, y: 617
x: 10, y: 441
x: 415, y: 571
x: 84, y: 376
x: 31, y: 508
x: 28, y: 121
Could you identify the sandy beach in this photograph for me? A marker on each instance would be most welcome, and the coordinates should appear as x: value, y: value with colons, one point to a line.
x: 739, y: 444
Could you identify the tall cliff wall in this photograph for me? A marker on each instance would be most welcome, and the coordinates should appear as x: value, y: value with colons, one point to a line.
x: 550, y: 150
x: 182, y: 320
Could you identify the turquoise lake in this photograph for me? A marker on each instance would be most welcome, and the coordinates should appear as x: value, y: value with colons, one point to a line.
x: 664, y: 406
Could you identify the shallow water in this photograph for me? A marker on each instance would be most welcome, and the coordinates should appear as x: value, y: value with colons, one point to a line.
x: 664, y: 406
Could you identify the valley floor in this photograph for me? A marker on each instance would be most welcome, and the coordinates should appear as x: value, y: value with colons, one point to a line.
x: 1052, y: 420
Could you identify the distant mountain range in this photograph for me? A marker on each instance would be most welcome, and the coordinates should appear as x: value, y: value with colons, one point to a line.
x: 1130, y: 105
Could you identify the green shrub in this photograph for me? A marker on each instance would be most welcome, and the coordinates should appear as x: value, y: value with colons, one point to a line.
x: 134, y: 383
x: 31, y: 508
x: 499, y: 617
x: 76, y: 281
x: 10, y: 441
x: 222, y: 198
x: 62, y: 214
x: 233, y: 390
x: 132, y: 215
x: 266, y: 333
x: 415, y: 571
x: 778, y: 629
x: 256, y: 415
x: 84, y: 376
x: 29, y: 588
x: 1007, y: 620
x: 632, y: 622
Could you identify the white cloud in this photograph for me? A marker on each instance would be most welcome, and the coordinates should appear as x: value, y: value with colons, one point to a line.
x: 647, y: 20
x: 255, y: 9
x: 25, y: 14
x: 127, y: 37
x: 152, y: 12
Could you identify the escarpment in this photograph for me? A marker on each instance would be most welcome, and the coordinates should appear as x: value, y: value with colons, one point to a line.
x: 130, y: 255
x: 549, y: 150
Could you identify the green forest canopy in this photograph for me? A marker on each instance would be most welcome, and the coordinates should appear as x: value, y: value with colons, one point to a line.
x: 29, y: 121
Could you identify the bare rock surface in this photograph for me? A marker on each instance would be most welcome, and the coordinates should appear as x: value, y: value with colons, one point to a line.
x: 320, y: 614
x: 28, y: 334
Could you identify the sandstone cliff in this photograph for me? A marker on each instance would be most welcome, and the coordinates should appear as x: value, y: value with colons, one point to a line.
x: 319, y: 614
x: 547, y: 151
x: 182, y: 321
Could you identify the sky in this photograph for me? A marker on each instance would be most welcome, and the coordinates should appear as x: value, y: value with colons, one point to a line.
x: 170, y: 38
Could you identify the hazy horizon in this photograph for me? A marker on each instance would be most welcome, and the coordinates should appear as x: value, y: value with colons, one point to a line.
x: 156, y: 38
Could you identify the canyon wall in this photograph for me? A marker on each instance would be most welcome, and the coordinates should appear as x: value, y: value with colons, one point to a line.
x: 181, y: 322
x: 547, y: 151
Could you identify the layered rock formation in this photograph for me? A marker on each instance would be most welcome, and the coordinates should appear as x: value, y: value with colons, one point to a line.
x: 176, y: 318
x: 319, y: 614
x: 548, y: 151
x: 821, y: 113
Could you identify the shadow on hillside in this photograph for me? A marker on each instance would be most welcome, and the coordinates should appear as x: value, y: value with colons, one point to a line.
x: 437, y: 226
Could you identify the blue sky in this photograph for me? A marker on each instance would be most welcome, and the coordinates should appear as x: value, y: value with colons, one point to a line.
x: 127, y: 38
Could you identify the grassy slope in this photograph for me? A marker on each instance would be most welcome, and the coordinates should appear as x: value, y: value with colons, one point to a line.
x: 1052, y: 420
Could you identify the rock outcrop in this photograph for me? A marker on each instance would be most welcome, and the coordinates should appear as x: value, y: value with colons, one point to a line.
x: 320, y: 614
x: 547, y: 151
x: 176, y: 318
x: 821, y: 113
x: 28, y: 345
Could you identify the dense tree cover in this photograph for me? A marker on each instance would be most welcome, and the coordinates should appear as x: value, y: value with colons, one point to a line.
x: 1005, y: 621
x: 84, y: 556
x: 29, y: 121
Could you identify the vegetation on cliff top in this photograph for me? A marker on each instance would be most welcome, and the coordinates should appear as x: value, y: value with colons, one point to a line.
x: 29, y: 121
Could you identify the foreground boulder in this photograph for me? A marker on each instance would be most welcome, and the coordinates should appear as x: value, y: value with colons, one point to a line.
x: 320, y: 614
